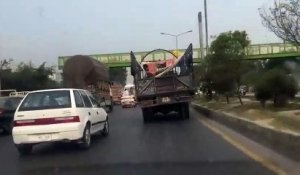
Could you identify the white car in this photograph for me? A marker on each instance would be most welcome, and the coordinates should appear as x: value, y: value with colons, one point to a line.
x: 128, y: 101
x: 58, y: 115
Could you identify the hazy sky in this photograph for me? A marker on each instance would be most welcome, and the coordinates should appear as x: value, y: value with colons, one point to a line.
x: 40, y: 30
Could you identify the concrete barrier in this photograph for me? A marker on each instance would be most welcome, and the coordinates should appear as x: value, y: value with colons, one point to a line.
x: 285, y: 143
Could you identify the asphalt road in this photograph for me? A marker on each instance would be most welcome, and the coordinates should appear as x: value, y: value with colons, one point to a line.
x: 160, y: 147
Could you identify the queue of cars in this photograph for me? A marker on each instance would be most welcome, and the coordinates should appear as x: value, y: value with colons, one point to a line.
x: 70, y: 115
x: 56, y: 115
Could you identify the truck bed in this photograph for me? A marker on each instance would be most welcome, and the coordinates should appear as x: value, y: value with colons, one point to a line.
x: 164, y: 86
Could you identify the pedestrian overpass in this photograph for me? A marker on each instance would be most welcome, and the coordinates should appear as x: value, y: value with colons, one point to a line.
x: 253, y: 52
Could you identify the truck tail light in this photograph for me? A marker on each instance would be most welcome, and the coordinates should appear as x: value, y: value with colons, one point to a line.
x: 1, y: 111
x: 47, y: 121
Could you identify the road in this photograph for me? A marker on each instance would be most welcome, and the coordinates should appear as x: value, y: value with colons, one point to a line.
x: 160, y: 147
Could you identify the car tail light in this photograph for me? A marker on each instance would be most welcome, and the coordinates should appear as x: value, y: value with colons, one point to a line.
x: 24, y: 122
x: 47, y: 121
x: 67, y: 119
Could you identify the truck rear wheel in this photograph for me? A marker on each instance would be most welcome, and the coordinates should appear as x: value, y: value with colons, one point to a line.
x: 185, y: 113
x: 147, y: 114
x: 110, y: 108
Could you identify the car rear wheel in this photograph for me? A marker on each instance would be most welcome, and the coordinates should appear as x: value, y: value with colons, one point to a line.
x: 24, y: 149
x: 105, y: 130
x: 85, y: 141
x: 111, y: 108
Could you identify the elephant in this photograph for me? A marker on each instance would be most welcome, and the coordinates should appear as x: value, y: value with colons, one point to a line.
x: 79, y: 71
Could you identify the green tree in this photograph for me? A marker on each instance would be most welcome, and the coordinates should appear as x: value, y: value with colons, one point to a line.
x: 202, y: 77
x: 41, y: 75
x: 250, y: 70
x: 118, y: 75
x: 223, y: 70
x: 277, y: 81
x: 27, y: 78
x: 4, y: 66
x: 275, y: 84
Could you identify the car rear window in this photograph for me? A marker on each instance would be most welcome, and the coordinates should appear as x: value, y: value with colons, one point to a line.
x: 10, y: 103
x: 46, y: 100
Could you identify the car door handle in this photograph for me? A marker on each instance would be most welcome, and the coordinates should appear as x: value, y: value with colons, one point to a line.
x: 89, y: 113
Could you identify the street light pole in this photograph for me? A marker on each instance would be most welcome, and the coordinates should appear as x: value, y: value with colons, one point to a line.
x: 176, y: 36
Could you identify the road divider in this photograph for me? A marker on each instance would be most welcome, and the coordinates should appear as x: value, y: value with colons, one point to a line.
x: 285, y: 143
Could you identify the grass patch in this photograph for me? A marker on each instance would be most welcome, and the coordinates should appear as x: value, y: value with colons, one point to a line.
x: 284, y: 122
x: 288, y: 107
x: 237, y: 107
x: 253, y: 110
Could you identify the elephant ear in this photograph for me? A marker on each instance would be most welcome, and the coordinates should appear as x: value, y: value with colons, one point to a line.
x: 80, y: 70
x: 100, y: 70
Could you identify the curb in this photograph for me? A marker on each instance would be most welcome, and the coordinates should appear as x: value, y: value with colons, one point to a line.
x: 282, y: 142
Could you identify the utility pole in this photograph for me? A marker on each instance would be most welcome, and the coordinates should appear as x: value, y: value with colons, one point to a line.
x: 206, y: 26
x: 201, y: 35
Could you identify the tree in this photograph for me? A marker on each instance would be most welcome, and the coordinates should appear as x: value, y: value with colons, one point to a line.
x: 27, y: 78
x: 275, y: 84
x: 277, y: 81
x: 4, y: 65
x: 202, y: 78
x: 224, y: 64
x: 250, y: 70
x: 283, y: 19
x: 41, y: 75
x: 118, y: 75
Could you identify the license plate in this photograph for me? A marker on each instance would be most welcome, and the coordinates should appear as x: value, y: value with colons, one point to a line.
x: 166, y: 99
x: 42, y: 137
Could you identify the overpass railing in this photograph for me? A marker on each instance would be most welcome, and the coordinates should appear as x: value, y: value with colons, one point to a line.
x: 256, y: 51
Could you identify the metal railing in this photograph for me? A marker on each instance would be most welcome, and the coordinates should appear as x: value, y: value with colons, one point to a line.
x: 256, y: 51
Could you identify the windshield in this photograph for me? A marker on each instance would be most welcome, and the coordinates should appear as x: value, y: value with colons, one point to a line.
x: 46, y: 100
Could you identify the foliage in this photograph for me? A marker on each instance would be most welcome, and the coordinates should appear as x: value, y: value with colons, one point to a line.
x: 283, y: 19
x: 250, y: 70
x: 287, y: 65
x: 275, y: 84
x: 5, y: 63
x: 4, y: 67
x: 27, y: 78
x: 277, y: 81
x: 222, y: 68
x: 118, y: 75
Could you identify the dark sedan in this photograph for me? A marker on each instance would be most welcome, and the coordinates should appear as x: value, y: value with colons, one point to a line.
x: 8, y: 107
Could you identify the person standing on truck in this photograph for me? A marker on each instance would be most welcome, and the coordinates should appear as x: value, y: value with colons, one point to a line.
x: 148, y: 73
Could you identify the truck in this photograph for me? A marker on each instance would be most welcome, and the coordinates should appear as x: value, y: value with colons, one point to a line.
x: 84, y: 72
x: 164, y: 87
x: 116, y: 93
